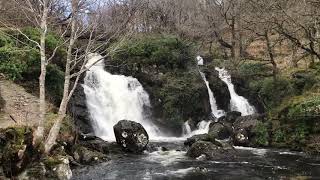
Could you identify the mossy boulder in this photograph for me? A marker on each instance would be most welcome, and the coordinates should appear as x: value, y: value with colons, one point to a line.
x: 131, y: 136
x: 220, y: 131
x: 87, y: 156
x: 208, y: 150
x: 17, y: 150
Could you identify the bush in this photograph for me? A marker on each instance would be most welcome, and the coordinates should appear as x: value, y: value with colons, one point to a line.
x: 54, y: 83
x: 168, y: 51
x: 273, y: 92
x: 279, y: 136
x: 261, y: 137
x: 251, y: 71
x: 309, y: 106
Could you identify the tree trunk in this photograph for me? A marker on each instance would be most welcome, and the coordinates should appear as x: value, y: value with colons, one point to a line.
x: 42, y: 79
x: 271, y: 56
x: 54, y: 131
x: 294, y: 60
x: 233, y: 40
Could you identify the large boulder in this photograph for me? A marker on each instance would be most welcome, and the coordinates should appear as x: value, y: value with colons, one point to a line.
x: 95, y: 144
x: 247, y: 122
x: 244, y: 128
x: 199, y: 137
x: 220, y: 131
x: 230, y: 117
x: 209, y: 151
x: 241, y: 137
x: 131, y: 136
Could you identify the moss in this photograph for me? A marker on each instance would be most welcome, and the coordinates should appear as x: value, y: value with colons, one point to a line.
x: 51, y: 161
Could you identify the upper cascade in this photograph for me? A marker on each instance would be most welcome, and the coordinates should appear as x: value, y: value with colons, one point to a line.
x: 214, y: 108
x: 237, y: 103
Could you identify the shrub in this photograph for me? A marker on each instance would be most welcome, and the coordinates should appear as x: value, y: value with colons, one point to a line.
x: 54, y: 83
x: 261, y: 137
x: 273, y: 92
x: 168, y: 51
x: 279, y: 136
x: 251, y: 71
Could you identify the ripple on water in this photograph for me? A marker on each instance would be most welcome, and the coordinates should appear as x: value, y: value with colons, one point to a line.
x: 166, y: 157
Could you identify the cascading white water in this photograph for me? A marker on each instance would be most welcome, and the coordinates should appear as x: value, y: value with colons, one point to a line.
x: 203, y: 126
x: 213, y: 104
x: 214, y: 109
x: 111, y: 98
x: 237, y: 103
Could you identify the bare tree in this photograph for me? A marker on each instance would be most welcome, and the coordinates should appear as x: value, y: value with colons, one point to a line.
x: 78, y: 56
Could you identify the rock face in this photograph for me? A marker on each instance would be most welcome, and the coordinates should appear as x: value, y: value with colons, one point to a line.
x: 78, y: 110
x: 219, y: 88
x: 131, y: 136
x: 209, y: 151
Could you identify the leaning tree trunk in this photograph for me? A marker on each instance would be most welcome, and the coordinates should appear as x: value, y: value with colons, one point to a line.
x: 55, y: 129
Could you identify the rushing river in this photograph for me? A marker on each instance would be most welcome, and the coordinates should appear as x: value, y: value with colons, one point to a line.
x: 251, y: 163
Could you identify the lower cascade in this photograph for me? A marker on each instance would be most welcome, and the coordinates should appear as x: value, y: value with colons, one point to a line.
x: 111, y: 98
x: 237, y: 103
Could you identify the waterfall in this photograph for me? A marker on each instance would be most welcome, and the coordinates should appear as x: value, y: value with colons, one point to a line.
x: 111, y: 98
x: 237, y: 103
x: 202, y: 128
x: 214, y: 108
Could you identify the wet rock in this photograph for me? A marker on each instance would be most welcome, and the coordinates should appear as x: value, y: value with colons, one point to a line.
x: 225, y: 144
x: 219, y: 131
x: 62, y: 170
x: 241, y: 137
x: 230, y: 117
x: 243, y: 129
x: 198, y: 137
x: 209, y: 151
x: 96, y: 144
x: 131, y: 136
x: 247, y: 122
x: 56, y: 167
x: 77, y: 108
x: 85, y: 156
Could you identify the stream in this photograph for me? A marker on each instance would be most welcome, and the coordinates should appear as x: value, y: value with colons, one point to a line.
x: 251, y: 163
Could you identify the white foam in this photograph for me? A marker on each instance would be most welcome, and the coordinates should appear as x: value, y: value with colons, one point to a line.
x: 237, y: 103
x: 111, y: 98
